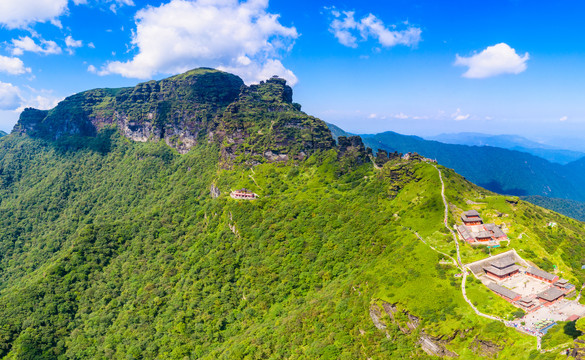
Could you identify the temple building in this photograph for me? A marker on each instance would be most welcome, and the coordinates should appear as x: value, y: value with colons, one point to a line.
x: 564, y: 286
x: 471, y: 217
x: 243, y: 194
x: 542, y: 275
x: 527, y: 304
x: 501, y: 269
x: 475, y: 232
x: 507, y: 294
x: 550, y: 295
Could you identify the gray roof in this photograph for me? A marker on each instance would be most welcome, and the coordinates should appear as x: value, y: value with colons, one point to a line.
x: 471, y: 213
x: 541, y: 273
x: 525, y: 299
x: 551, y: 294
x: 464, y: 232
x: 495, y: 230
x: 563, y: 281
x: 501, y: 272
x: 503, y: 262
x: 565, y: 285
x: 483, y: 235
x: 500, y: 290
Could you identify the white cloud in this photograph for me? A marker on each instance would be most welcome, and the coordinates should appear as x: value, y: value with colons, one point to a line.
x: 564, y: 118
x: 372, y: 116
x: 341, y: 28
x: 239, y: 37
x: 92, y: 69
x: 21, y: 13
x: 494, y: 60
x: 38, y: 99
x: 256, y: 72
x: 12, y: 65
x: 347, y: 29
x: 401, y: 116
x: 47, y: 47
x: 70, y: 42
x: 459, y: 116
x: 9, y: 96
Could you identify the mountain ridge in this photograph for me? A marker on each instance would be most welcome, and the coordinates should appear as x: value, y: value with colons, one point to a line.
x: 111, y: 248
x: 511, y: 142
x: 199, y: 105
x: 500, y: 170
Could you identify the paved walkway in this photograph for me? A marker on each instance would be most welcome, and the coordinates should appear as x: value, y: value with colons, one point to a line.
x: 446, y: 223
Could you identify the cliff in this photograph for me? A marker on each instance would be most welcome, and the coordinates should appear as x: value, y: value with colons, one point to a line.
x: 253, y: 124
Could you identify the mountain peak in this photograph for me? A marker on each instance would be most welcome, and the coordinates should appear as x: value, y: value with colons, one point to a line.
x: 250, y: 123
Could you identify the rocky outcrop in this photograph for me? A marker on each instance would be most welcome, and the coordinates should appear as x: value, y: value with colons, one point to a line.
x: 251, y: 124
x: 382, y: 157
x: 214, y: 191
x: 392, y: 310
x: 485, y: 348
x: 176, y: 109
x: 431, y: 345
x: 375, y: 316
x: 352, y: 151
x: 433, y: 348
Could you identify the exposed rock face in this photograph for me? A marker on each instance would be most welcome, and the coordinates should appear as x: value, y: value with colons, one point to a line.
x: 434, y: 348
x: 263, y: 123
x: 250, y: 123
x: 375, y: 316
x: 214, y: 191
x: 382, y: 157
x: 485, y: 348
x: 352, y: 150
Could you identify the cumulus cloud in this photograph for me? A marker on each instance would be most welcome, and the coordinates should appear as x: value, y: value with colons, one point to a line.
x: 39, y: 99
x: 347, y: 29
x: 494, y: 60
x: 70, y: 42
x: 46, y: 47
x: 10, y: 98
x: 21, y: 13
x: 239, y: 37
x: 12, y: 65
x: 459, y: 116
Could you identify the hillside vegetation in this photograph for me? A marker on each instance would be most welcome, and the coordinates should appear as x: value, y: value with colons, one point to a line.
x: 118, y: 249
x: 496, y: 169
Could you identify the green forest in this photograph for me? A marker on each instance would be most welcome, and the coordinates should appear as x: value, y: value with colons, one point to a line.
x: 116, y: 249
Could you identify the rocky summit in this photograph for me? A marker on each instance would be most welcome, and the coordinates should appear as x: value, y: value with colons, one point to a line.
x: 251, y: 123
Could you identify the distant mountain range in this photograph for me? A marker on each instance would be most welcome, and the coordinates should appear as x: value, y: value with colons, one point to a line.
x: 511, y: 142
x: 2, y: 133
x: 497, y: 169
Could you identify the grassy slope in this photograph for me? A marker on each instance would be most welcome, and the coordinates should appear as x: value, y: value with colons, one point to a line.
x: 116, y: 250
x: 571, y: 208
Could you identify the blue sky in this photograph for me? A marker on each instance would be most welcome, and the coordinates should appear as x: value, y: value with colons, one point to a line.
x: 415, y: 67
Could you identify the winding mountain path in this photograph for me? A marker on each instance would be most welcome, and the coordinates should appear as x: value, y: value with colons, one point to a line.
x: 464, y: 271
